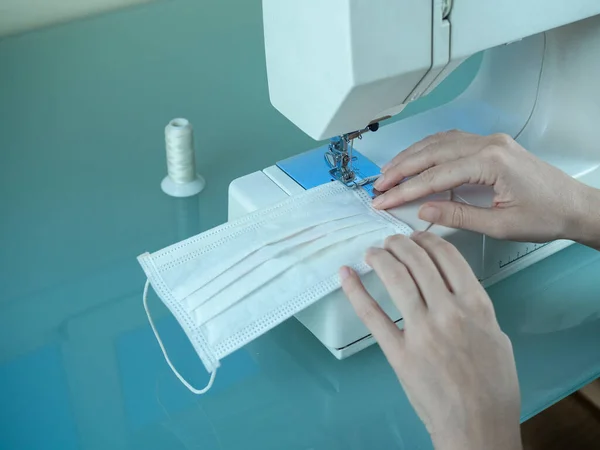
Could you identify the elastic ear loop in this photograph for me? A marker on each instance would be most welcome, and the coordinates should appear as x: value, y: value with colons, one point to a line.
x: 164, y: 351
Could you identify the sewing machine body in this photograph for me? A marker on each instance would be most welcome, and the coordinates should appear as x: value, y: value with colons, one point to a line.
x: 544, y: 90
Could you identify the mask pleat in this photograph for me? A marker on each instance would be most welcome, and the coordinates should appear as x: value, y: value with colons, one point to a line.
x: 288, y: 284
x: 191, y: 275
x: 270, y: 251
x: 273, y: 267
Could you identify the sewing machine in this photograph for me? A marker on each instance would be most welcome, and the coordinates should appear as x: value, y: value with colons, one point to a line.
x: 338, y: 68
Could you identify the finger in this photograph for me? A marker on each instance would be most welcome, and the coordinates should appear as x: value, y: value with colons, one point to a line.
x: 458, y: 215
x: 399, y: 283
x: 459, y: 276
x: 421, y: 268
x: 414, y: 148
x: 437, y: 179
x: 383, y: 329
x: 420, y: 145
x: 452, y: 266
x: 432, y: 155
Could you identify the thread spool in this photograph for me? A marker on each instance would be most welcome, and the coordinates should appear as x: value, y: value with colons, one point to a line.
x: 182, y: 179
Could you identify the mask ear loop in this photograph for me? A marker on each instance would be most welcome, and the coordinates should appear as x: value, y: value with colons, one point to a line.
x: 164, y: 351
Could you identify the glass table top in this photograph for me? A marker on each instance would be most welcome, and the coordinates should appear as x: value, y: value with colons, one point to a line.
x: 82, y: 112
x: 79, y: 366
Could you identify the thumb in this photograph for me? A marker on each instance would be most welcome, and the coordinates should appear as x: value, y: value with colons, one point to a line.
x: 459, y: 215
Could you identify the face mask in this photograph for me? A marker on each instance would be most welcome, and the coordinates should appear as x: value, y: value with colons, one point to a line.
x: 231, y: 284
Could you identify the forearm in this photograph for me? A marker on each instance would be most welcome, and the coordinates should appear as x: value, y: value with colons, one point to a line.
x: 486, y: 446
x: 513, y: 444
x: 503, y: 437
x: 585, y: 224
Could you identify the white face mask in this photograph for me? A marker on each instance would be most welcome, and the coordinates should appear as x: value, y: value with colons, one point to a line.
x: 233, y: 283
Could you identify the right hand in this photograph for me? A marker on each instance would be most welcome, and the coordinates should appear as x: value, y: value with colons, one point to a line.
x: 533, y: 200
x: 453, y: 360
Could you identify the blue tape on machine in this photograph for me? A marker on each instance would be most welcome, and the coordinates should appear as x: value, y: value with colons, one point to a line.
x: 310, y: 169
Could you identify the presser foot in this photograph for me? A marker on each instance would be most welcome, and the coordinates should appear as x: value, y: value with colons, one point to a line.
x: 339, y: 155
x: 346, y: 176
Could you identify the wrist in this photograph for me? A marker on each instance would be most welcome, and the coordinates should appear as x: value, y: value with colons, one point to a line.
x: 584, y: 223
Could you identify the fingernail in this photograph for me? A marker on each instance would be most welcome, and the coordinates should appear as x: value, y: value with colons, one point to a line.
x: 345, y: 273
x: 429, y: 213
x: 416, y: 234
x: 386, y: 167
x: 378, y: 182
x: 378, y: 201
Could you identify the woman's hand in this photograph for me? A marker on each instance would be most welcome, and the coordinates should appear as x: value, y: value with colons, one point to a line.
x: 534, y: 201
x: 455, y: 364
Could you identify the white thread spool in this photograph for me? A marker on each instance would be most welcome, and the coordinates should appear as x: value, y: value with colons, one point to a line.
x: 182, y: 179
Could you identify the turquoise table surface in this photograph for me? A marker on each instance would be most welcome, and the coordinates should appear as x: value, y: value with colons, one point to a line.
x: 82, y: 112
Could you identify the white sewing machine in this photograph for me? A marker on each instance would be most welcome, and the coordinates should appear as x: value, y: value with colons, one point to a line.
x: 337, y: 66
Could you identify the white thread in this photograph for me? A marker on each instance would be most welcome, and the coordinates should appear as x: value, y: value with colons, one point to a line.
x: 179, y: 139
x: 164, y: 351
x: 368, y: 180
x: 182, y: 179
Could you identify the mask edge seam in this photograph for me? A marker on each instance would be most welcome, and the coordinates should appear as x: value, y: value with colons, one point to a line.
x: 400, y: 226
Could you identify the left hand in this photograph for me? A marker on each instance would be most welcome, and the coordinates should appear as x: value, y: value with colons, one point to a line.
x: 533, y: 200
x: 455, y: 364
